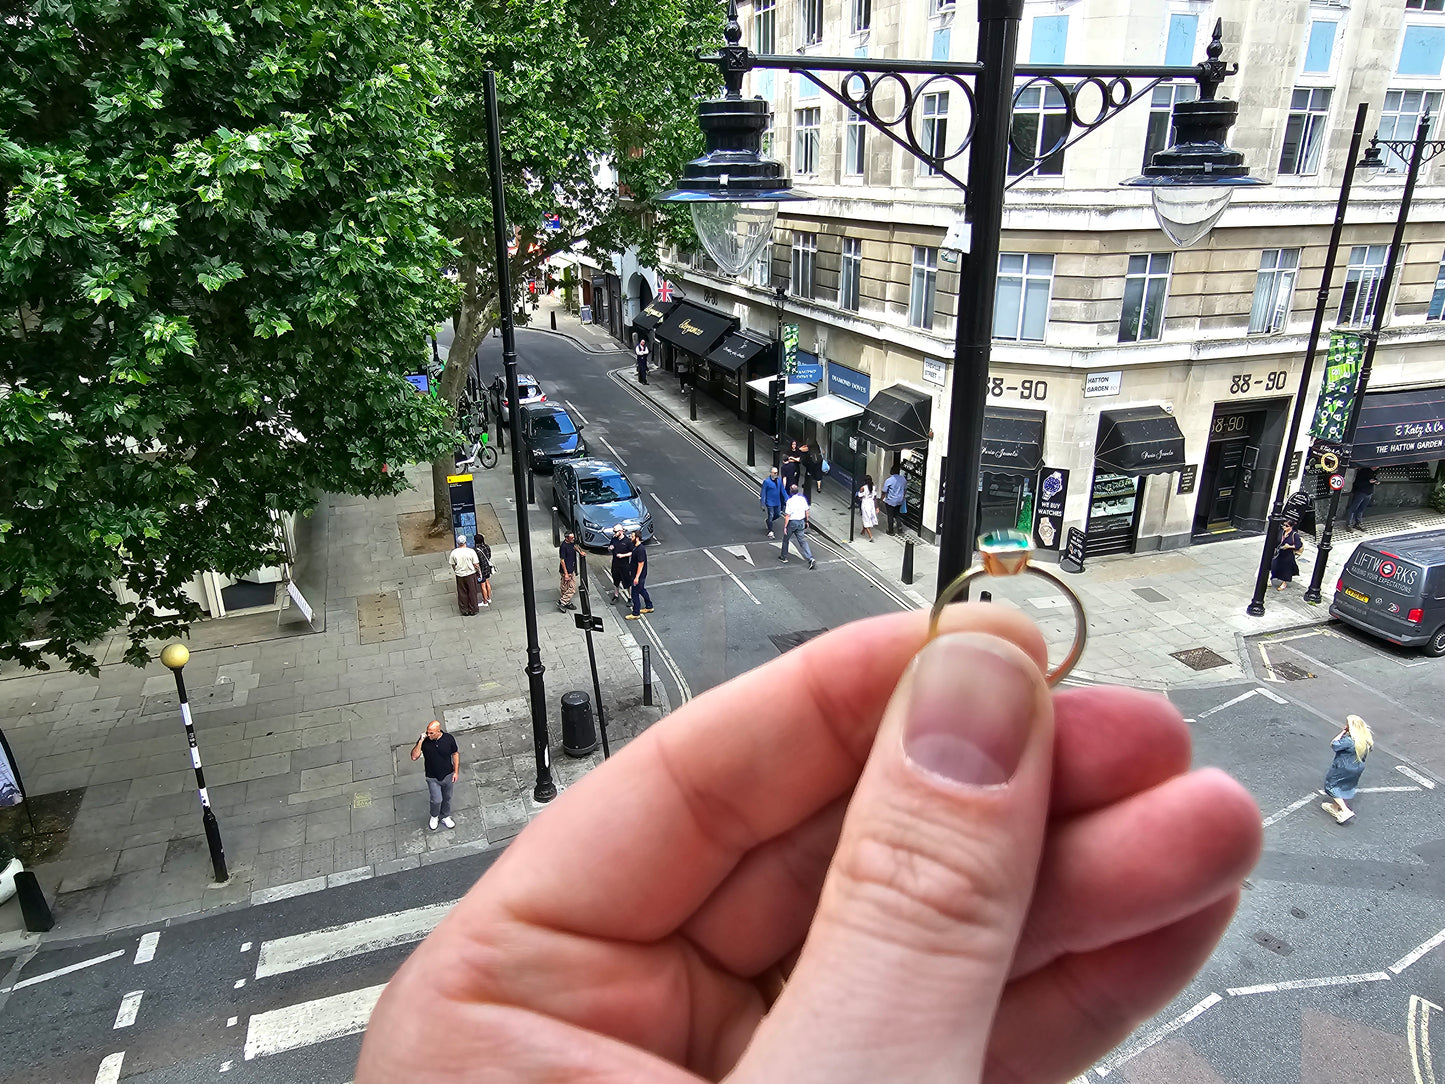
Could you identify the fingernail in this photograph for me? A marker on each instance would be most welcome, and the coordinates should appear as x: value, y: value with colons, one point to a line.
x: 970, y: 709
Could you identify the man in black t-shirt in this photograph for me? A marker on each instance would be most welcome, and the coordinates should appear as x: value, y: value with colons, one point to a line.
x: 443, y: 765
x: 621, y: 547
x: 567, y: 566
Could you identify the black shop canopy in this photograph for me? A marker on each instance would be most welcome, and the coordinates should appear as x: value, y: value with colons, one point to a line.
x: 735, y: 352
x: 1400, y: 427
x: 695, y: 329
x: 652, y: 315
x: 1143, y: 440
x: 897, y: 418
x: 1013, y: 440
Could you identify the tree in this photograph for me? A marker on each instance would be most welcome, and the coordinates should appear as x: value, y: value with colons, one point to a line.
x: 216, y: 268
x: 598, y: 113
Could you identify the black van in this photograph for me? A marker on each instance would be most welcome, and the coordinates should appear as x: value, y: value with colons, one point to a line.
x: 1395, y: 587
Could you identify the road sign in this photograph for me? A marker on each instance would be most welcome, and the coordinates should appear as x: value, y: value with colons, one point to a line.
x: 1337, y: 481
x: 588, y: 623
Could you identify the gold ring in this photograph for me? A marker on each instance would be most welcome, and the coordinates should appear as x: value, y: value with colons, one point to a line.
x: 1007, y: 553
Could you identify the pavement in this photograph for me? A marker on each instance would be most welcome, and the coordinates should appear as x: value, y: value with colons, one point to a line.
x: 304, y: 731
x: 1142, y: 608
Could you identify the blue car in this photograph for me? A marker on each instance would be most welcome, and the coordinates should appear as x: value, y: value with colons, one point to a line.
x: 592, y: 496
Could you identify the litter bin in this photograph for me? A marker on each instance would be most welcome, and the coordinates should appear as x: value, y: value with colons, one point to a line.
x: 579, y: 732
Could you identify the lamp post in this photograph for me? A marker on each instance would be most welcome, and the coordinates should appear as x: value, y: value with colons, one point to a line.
x: 544, y: 790
x: 1419, y: 152
x: 734, y: 191
x: 175, y: 657
x: 1274, y: 528
x: 778, y: 387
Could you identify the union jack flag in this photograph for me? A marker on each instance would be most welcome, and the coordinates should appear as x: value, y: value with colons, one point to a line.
x: 664, y: 290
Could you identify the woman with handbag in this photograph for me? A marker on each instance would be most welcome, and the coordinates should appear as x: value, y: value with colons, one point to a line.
x: 1351, y: 745
x: 1285, y: 566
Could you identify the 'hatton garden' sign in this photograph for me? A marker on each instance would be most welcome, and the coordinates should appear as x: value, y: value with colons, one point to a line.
x: 1337, y: 386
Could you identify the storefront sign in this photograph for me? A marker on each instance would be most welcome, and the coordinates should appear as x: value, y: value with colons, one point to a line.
x: 1294, y: 464
x: 934, y: 371
x: 849, y: 383
x: 1049, y: 514
x: 585, y: 314
x: 1337, y: 386
x: 1097, y: 385
x: 1073, y: 558
x: 807, y: 369
x: 1187, y: 476
x: 790, y: 349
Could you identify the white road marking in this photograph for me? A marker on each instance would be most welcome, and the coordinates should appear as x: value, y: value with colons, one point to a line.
x: 670, y: 514
x: 1308, y: 984
x: 1287, y: 810
x: 1387, y: 790
x: 615, y: 453
x: 109, y: 1071
x: 729, y: 573
x: 1414, y: 954
x: 65, y: 970
x: 285, y: 954
x: 1241, y: 698
x: 682, y: 687
x: 1108, y: 1065
x: 580, y: 416
x: 146, y: 951
x: 1268, y: 664
x: 310, y: 1022
x: 1411, y: 773
x: 742, y: 553
x: 1270, y: 695
x: 129, y: 1006
x: 232, y: 1021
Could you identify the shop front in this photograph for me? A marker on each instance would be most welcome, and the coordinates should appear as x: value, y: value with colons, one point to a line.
x: 1402, y: 435
x: 692, y: 332
x: 739, y: 358
x: 898, y: 420
x: 762, y: 411
x: 835, y: 417
x: 1132, y: 445
x: 1012, y: 453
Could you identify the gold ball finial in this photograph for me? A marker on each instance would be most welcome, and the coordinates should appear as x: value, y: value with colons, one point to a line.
x: 175, y: 656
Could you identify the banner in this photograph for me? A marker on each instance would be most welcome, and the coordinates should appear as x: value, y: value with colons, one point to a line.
x: 1048, y: 524
x: 790, y: 349
x: 10, y: 790
x: 1337, y: 386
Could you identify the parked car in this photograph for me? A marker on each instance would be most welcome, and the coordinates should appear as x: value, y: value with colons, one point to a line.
x: 528, y: 391
x: 592, y: 496
x: 1394, y: 587
x: 550, y: 434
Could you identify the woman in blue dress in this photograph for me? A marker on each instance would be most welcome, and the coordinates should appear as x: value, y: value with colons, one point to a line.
x: 1351, y: 746
x: 1284, y: 567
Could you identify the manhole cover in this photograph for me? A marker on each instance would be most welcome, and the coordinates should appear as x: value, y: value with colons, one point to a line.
x: 1200, y: 658
x: 1290, y: 671
x: 1274, y: 944
x: 786, y: 641
x: 1149, y: 594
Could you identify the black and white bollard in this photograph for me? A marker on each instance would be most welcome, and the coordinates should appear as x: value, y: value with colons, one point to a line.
x: 908, y: 560
x: 175, y: 656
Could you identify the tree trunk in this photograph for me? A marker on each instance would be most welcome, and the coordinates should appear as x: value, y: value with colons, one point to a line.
x: 468, y: 330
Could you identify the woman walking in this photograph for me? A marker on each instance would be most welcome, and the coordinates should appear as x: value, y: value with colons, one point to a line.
x: 1285, y: 567
x: 868, y: 502
x: 1351, y: 746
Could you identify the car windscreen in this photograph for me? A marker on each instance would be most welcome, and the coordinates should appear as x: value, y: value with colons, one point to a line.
x: 553, y: 422
x: 604, y: 489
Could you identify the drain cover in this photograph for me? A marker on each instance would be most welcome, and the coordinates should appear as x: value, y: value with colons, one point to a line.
x: 1148, y: 594
x: 379, y: 617
x: 786, y: 641
x: 1200, y: 658
x: 1274, y: 944
x: 1290, y: 671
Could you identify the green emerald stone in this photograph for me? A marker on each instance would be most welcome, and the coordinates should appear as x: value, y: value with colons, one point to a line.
x: 1004, y: 540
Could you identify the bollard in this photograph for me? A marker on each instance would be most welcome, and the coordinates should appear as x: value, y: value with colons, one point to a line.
x: 33, y: 908
x: 647, y: 675
x: 556, y: 527
x: 554, y: 319
x: 531, y: 489
x: 692, y: 396
x: 985, y: 596
x: 908, y: 560
x: 579, y: 735
x: 750, y: 447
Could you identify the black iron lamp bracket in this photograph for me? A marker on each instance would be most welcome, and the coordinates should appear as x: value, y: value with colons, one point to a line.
x: 1404, y: 149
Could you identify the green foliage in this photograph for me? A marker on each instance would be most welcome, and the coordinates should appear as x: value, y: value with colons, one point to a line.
x: 217, y: 264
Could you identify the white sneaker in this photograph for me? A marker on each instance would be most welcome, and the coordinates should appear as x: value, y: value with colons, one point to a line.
x: 449, y: 822
x: 433, y: 824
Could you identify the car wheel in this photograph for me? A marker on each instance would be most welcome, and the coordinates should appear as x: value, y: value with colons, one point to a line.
x: 1435, y: 647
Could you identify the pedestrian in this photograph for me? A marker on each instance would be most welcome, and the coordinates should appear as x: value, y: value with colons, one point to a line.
x: 443, y: 765
x: 621, y: 547
x: 1362, y: 495
x: 1285, y: 567
x: 773, y: 496
x: 791, y: 462
x: 465, y: 567
x: 895, y: 496
x: 641, y: 600
x: 795, y: 522
x: 642, y: 352
x: 868, y: 504
x: 812, y: 468
x: 567, y: 565
x: 1351, y: 745
x: 484, y: 570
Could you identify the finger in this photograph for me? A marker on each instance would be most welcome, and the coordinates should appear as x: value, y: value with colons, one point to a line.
x: 717, y: 778
x: 923, y: 903
x: 1086, y: 1005
x: 1110, y: 742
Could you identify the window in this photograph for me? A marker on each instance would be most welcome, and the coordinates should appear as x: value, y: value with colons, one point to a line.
x: 805, y: 140
x: 1304, y: 132
x: 935, y: 130
x: 1041, y: 122
x: 1362, y: 284
x: 763, y: 268
x: 1273, y: 290
x: 1437, y: 299
x: 940, y: 6
x: 1180, y: 38
x: 805, y: 261
x: 1021, y: 299
x: 923, y: 287
x: 1146, y: 289
x: 1403, y: 111
x: 765, y: 16
x: 1320, y: 47
x: 1425, y: 5
x: 862, y: 15
x: 851, y: 278
x: 854, y: 146
x: 1161, y: 114
x: 810, y: 21
x: 1048, y: 39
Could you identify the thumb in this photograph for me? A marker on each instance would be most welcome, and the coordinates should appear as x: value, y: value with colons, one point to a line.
x: 921, y: 908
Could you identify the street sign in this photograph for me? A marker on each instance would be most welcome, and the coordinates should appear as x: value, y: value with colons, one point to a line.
x: 587, y: 623
x: 1074, y: 551
x: 1337, y: 481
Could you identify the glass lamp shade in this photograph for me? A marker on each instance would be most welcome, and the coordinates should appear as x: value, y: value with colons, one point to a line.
x: 734, y: 233
x: 1187, y: 212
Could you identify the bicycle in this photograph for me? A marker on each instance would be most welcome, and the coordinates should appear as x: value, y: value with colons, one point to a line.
x: 482, y: 452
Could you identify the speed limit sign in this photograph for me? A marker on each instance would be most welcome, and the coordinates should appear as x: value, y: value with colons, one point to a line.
x: 1337, y: 481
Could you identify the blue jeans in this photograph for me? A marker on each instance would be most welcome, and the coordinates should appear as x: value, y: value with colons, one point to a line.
x: 1356, y: 515
x: 773, y: 512
x: 440, y: 792
x: 794, y: 534
x: 640, y: 597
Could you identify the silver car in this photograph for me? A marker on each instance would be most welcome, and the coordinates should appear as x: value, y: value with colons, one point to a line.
x: 528, y: 392
x: 592, y: 496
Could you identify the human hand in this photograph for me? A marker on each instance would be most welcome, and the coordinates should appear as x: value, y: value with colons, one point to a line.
x: 929, y: 928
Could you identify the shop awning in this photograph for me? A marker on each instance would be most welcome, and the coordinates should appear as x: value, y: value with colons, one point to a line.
x: 790, y: 389
x: 827, y: 409
x: 736, y: 351
x: 695, y: 329
x: 1400, y: 427
x: 897, y: 417
x: 652, y: 315
x: 1013, y: 440
x: 1142, y: 440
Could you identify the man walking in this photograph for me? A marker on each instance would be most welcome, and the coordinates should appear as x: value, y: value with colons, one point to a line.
x: 773, y: 496
x: 465, y: 567
x: 795, y: 522
x: 621, y: 547
x: 443, y: 765
x: 641, y: 600
x: 895, y: 490
x: 567, y: 565
x: 1361, y: 494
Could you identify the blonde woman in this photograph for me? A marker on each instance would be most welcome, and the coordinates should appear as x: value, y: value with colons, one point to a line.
x: 1351, y: 745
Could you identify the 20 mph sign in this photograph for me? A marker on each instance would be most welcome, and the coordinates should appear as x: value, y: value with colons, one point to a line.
x: 1337, y: 481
